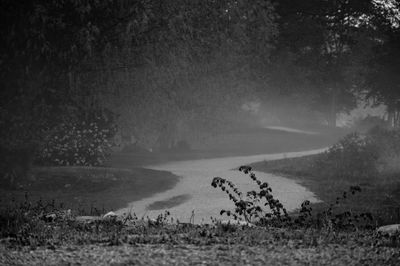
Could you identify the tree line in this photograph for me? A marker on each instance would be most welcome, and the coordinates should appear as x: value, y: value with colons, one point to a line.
x: 164, y: 71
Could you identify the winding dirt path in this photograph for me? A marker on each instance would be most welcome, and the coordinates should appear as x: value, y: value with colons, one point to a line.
x: 195, y: 193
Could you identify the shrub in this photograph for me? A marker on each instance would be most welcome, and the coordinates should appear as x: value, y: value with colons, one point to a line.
x: 354, y: 156
x: 361, y: 156
x: 386, y: 140
x: 84, y: 142
x: 251, y: 206
x: 262, y: 208
x: 367, y: 123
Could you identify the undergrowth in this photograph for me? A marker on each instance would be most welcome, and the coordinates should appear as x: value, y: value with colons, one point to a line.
x: 262, y: 208
x: 35, y: 225
x: 48, y: 225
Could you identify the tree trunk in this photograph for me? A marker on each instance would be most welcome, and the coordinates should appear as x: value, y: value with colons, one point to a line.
x: 396, y: 119
x: 391, y: 110
x: 333, y: 109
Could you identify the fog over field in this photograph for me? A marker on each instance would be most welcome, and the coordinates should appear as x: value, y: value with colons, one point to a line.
x: 118, y: 116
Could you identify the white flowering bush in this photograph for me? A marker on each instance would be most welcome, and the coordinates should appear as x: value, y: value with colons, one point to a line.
x: 85, y: 143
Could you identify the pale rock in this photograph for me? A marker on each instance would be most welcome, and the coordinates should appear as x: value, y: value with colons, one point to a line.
x: 110, y: 215
x: 152, y: 222
x: 391, y: 229
x: 237, y: 223
x: 51, y: 217
x: 87, y: 219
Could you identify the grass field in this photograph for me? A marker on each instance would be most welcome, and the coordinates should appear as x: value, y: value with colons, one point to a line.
x: 380, y: 193
x: 90, y: 189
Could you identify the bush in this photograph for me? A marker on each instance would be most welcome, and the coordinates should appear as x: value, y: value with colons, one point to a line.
x: 354, y: 156
x: 260, y: 206
x: 367, y: 123
x: 360, y: 156
x: 387, y: 140
x: 85, y: 142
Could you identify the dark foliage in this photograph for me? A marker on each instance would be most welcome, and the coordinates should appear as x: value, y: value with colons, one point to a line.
x: 252, y: 208
x: 83, y: 141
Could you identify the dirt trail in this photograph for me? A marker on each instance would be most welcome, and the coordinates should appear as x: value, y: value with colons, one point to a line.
x: 199, y: 196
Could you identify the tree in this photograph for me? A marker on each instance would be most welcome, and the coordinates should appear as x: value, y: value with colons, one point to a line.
x: 44, y: 42
x: 321, y: 37
x: 179, y: 69
x: 150, y: 62
x: 376, y: 61
x: 382, y: 78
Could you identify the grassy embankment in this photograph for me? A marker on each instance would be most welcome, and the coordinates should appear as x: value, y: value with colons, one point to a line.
x: 376, y: 169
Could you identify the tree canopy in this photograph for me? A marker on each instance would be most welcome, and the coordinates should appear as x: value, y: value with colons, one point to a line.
x: 166, y: 71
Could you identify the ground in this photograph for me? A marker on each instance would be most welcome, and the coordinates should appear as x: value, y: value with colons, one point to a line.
x: 177, y: 245
x: 41, y: 241
x: 170, y: 254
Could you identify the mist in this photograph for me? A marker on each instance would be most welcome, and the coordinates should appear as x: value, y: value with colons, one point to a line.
x: 147, y: 114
